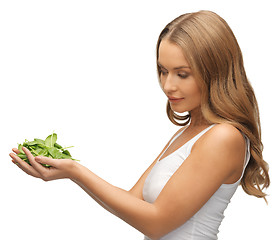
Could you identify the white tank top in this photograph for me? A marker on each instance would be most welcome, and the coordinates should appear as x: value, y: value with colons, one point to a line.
x: 205, y: 223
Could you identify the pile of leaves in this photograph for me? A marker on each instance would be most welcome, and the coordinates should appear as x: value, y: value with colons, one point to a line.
x: 48, y: 148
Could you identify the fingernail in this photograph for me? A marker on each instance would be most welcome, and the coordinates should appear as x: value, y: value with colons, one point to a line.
x: 38, y: 158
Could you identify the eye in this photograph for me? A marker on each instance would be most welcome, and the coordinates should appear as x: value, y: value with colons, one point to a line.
x: 163, y: 72
x: 183, y: 75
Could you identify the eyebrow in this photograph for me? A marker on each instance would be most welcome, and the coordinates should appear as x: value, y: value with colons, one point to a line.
x: 160, y: 65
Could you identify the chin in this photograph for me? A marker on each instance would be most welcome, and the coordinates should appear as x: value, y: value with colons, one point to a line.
x: 182, y: 110
x: 179, y: 110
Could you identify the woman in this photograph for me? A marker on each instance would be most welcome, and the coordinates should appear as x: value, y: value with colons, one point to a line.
x: 184, y: 192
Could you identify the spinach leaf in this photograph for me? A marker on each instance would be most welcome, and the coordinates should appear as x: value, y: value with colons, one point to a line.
x: 51, y: 140
x: 48, y: 148
x: 58, y: 146
x: 39, y: 141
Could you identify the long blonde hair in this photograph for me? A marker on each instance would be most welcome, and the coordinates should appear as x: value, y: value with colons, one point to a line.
x: 214, y: 55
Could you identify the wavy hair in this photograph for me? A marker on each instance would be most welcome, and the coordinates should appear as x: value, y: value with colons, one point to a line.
x: 214, y: 55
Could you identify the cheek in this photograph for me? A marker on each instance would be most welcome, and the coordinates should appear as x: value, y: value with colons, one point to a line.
x: 193, y: 95
x: 191, y: 89
x: 198, y: 93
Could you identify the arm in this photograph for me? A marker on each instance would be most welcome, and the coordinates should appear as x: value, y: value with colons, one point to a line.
x: 136, y: 190
x: 64, y: 165
x: 191, y: 185
x: 118, y: 201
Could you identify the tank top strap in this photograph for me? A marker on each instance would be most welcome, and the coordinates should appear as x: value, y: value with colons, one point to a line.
x: 191, y: 141
x: 246, y: 161
x: 172, y: 140
x: 195, y: 138
x: 247, y: 154
x: 176, y: 136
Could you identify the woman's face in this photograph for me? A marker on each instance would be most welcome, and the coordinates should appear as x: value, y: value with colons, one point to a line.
x: 177, y: 80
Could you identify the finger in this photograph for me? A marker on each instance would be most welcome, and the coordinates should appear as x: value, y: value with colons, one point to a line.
x: 57, y: 169
x: 28, y: 153
x: 24, y: 166
x: 16, y: 150
x: 26, y: 170
x: 38, y: 167
x: 46, y: 160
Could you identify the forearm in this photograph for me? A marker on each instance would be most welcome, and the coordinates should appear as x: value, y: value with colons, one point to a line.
x: 93, y: 196
x: 136, y: 212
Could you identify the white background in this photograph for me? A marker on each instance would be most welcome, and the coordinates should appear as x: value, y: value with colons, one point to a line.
x: 86, y: 70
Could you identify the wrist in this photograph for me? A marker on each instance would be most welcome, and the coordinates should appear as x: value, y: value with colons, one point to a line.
x: 74, y: 170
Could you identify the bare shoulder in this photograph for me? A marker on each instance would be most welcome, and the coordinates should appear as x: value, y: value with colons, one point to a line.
x: 226, y: 130
x: 223, y: 139
x: 222, y: 134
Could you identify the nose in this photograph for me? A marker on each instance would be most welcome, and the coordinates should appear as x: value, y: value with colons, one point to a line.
x: 169, y: 84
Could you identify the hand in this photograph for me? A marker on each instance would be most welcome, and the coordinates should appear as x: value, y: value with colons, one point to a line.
x: 60, y: 168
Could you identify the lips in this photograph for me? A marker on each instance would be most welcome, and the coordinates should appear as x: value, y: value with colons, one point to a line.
x: 174, y: 99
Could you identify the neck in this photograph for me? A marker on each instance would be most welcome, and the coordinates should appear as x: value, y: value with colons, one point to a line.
x: 197, y: 119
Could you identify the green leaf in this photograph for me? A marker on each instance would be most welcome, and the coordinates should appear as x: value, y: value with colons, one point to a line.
x: 39, y: 141
x: 51, y: 140
x: 20, y: 148
x: 35, y: 152
x: 55, y: 153
x: 66, y: 152
x: 58, y: 146
x: 22, y: 156
x: 47, y: 148
x: 32, y: 143
x: 41, y: 151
